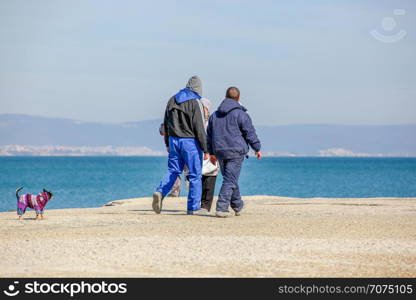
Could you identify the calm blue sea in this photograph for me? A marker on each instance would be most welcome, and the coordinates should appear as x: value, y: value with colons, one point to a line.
x: 94, y: 181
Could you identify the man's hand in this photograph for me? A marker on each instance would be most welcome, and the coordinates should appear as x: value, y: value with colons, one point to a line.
x: 258, y: 154
x: 213, y: 159
x: 206, y: 156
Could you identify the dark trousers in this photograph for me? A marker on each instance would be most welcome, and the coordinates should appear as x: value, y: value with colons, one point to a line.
x: 208, y: 187
x: 230, y: 191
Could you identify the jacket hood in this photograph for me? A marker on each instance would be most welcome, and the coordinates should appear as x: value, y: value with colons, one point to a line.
x: 228, y: 105
x: 185, y: 95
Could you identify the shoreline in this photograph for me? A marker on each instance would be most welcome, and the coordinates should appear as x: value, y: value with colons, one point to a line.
x: 275, y: 237
x: 249, y: 197
x: 264, y: 156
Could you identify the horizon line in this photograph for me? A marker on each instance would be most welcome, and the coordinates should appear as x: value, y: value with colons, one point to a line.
x: 151, y: 120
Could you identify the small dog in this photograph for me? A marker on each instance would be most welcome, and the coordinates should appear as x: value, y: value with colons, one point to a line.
x: 36, y: 202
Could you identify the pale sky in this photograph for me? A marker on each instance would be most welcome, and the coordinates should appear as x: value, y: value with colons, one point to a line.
x: 295, y: 62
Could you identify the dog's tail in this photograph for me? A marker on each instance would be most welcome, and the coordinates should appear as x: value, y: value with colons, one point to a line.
x: 17, y: 192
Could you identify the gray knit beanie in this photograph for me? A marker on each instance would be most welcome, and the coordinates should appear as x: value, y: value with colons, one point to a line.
x: 195, y: 84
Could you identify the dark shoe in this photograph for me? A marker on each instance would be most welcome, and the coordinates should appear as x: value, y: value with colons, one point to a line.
x: 189, y: 212
x: 157, y: 202
x: 238, y: 213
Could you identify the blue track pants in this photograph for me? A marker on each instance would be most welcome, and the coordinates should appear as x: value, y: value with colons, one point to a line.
x: 184, y: 151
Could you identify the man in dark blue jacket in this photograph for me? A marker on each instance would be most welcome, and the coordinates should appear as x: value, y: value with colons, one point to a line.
x: 230, y: 133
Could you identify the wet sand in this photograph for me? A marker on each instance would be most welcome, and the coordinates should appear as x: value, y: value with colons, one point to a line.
x: 275, y: 237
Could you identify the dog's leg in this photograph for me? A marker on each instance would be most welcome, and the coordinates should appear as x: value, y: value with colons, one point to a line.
x: 40, y: 213
x: 20, y: 212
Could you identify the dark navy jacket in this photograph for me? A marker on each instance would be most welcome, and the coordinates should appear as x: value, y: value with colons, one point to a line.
x: 230, y: 131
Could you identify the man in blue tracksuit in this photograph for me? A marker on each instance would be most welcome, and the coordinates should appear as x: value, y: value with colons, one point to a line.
x: 186, y: 142
x: 229, y: 134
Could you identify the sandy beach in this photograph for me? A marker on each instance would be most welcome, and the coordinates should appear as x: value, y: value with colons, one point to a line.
x: 275, y: 237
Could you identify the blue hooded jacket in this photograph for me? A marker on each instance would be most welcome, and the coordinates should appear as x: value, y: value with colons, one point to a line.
x: 231, y: 131
x: 184, y: 115
x: 186, y: 94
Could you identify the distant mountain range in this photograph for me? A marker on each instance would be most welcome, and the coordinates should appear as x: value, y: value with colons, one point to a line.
x: 133, y: 138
